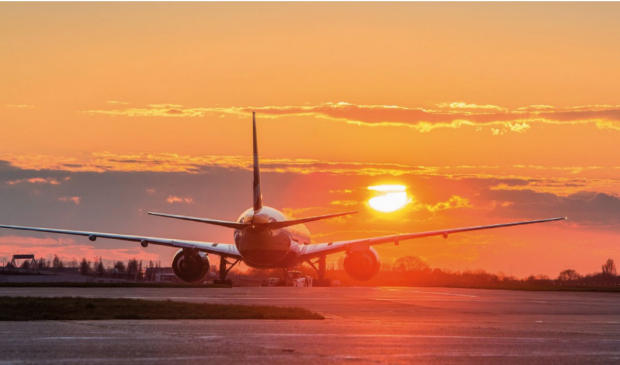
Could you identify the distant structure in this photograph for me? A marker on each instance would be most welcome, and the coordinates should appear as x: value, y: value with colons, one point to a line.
x: 161, y: 275
x: 33, y: 263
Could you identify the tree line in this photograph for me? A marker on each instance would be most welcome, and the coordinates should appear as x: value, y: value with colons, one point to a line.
x: 133, y: 269
x: 415, y: 271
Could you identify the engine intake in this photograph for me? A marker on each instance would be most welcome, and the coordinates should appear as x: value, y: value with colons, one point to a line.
x: 191, y: 268
x: 362, y: 265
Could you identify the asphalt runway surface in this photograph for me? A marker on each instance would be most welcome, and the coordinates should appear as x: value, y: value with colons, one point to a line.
x: 363, y: 326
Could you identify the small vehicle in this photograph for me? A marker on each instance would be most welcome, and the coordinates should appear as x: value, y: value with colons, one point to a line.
x: 292, y: 278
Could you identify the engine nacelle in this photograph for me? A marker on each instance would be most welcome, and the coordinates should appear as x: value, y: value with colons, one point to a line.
x: 191, y: 269
x: 362, y: 265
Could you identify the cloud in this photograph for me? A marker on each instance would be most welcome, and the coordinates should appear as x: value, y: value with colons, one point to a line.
x: 560, y: 186
x: 114, y: 102
x: 170, y: 162
x: 175, y: 199
x: 20, y: 106
x: 38, y: 180
x: 75, y: 199
x: 462, y: 105
x: 300, y: 212
x: 154, y: 110
x: 585, y: 208
x: 345, y: 203
x: 20, y: 240
x: 454, y: 202
x: 447, y: 115
x: 343, y: 191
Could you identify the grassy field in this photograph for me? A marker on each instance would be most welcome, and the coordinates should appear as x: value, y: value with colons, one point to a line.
x: 37, y: 308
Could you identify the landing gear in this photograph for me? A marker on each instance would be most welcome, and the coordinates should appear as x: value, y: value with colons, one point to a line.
x: 321, y: 281
x: 224, y: 271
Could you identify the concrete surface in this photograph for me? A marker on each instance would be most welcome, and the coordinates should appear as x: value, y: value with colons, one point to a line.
x: 364, y: 325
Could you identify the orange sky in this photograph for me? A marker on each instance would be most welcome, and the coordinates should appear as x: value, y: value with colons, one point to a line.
x: 488, y: 112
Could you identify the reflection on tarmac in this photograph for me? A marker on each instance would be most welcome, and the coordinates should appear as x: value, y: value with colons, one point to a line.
x: 365, y: 325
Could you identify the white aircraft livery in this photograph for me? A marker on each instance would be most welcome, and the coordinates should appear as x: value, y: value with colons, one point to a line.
x: 267, y: 238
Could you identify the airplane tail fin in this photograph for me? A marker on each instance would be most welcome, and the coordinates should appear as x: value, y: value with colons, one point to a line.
x: 258, y: 196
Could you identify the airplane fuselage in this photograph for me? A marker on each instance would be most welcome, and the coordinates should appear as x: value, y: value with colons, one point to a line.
x: 261, y: 247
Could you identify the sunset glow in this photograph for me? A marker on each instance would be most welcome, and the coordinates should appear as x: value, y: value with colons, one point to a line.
x: 391, y: 198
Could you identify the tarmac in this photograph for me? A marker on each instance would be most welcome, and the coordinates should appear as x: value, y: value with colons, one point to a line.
x: 363, y: 326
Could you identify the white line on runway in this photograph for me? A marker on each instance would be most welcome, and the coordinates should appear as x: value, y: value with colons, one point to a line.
x: 440, y: 293
x: 340, y: 335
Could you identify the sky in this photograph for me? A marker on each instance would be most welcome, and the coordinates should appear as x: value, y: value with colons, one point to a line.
x: 486, y: 112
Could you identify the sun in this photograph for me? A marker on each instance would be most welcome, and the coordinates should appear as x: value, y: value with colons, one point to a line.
x: 390, y: 198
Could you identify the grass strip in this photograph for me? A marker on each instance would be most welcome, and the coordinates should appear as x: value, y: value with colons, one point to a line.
x: 105, y: 285
x: 78, y: 308
x: 595, y: 289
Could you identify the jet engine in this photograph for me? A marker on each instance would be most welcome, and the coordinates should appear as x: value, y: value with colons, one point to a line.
x: 362, y: 265
x: 191, y: 267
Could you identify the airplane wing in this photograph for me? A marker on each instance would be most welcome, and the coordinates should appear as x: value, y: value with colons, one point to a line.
x: 222, y: 249
x: 320, y: 249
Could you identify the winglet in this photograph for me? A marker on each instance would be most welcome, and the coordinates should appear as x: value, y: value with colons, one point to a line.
x: 258, y: 196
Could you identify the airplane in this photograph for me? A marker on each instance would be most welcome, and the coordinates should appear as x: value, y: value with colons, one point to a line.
x: 267, y: 238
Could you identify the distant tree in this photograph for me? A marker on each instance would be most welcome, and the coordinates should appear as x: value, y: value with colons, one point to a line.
x: 132, y: 268
x: 609, y: 268
x: 42, y: 263
x: 73, y: 263
x: 140, y: 272
x: 57, y: 263
x: 119, y: 266
x: 410, y: 263
x: 100, y: 269
x: 569, y: 275
x: 85, y: 267
x: 25, y: 265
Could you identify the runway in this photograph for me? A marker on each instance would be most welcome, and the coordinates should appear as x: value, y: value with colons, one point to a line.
x: 363, y: 325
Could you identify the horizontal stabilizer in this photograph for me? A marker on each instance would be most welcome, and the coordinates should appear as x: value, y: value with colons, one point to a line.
x: 293, y: 222
x: 236, y: 225
x: 228, y: 224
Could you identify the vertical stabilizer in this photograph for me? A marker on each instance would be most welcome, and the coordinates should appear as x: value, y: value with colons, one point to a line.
x: 258, y: 196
